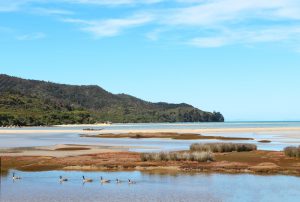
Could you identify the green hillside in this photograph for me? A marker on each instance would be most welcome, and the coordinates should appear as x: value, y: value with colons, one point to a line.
x: 30, y: 102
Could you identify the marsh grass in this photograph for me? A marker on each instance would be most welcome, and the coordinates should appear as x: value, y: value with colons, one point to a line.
x: 178, y: 156
x: 222, y: 147
x: 292, y: 151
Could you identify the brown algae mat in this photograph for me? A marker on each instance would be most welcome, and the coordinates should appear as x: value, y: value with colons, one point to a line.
x: 175, y: 136
x: 254, y: 162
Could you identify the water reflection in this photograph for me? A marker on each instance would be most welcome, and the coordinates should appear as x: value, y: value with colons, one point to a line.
x: 45, y: 186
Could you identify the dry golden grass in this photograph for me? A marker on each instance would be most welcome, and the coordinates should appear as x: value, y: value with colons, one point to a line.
x: 222, y: 147
x: 292, y: 151
x: 178, y: 156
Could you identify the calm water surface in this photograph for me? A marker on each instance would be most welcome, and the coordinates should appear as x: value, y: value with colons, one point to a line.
x: 44, y: 186
x: 53, y: 138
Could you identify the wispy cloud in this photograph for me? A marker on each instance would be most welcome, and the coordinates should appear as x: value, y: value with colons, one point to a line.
x: 154, y: 34
x: 30, y: 37
x: 110, y: 27
x: 217, y: 23
x: 201, y: 23
x: 114, y: 2
x: 51, y: 11
x: 10, y: 6
x: 275, y: 34
x: 14, y: 5
x: 208, y: 42
x: 211, y: 12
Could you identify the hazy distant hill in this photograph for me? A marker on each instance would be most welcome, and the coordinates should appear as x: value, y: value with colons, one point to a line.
x: 31, y: 102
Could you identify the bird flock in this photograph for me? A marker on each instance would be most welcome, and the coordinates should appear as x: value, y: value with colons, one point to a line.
x: 84, y: 180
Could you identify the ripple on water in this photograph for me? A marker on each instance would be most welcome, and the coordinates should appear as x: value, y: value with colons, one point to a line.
x: 45, y: 186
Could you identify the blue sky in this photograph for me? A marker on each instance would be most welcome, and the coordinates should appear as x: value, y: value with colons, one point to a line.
x: 239, y: 57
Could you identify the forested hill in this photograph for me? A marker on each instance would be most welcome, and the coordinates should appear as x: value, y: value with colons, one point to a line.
x: 30, y: 102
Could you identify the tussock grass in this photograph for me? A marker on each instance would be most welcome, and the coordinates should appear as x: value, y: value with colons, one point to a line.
x: 222, y: 147
x: 292, y: 151
x: 178, y: 156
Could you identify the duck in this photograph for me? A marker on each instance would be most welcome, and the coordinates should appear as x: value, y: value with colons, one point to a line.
x: 61, y: 179
x: 104, y: 180
x: 86, y: 179
x: 131, y: 182
x: 118, y: 181
x: 16, y: 177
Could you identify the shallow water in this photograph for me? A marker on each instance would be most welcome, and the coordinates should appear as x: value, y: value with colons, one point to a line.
x: 44, y: 186
x: 279, y: 140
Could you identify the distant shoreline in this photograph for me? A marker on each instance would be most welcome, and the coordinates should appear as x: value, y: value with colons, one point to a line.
x: 155, y: 123
x: 199, y: 131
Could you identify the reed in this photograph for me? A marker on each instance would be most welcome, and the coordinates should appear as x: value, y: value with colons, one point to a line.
x: 222, y: 147
x: 178, y: 156
x: 292, y: 151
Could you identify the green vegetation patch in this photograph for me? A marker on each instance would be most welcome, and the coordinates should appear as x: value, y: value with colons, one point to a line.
x: 33, y: 103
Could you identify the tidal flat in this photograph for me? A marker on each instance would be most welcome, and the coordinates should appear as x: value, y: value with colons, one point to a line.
x: 40, y: 155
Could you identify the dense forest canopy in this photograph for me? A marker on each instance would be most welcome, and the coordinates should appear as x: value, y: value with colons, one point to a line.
x: 31, y: 103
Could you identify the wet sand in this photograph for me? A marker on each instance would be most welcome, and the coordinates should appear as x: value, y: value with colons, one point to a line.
x: 61, y: 150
